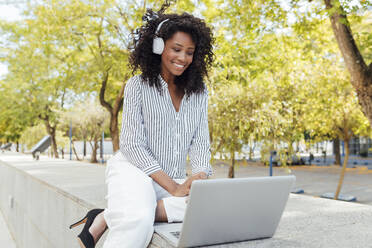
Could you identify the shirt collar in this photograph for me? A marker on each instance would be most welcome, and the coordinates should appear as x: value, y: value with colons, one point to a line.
x: 162, y: 81
x: 164, y: 84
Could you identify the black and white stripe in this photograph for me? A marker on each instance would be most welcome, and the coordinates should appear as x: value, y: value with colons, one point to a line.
x: 155, y: 137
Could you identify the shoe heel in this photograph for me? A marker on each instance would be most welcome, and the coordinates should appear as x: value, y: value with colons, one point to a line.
x: 86, y: 239
x: 83, y: 220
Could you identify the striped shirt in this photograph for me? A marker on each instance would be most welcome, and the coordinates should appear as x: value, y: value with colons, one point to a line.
x: 155, y: 137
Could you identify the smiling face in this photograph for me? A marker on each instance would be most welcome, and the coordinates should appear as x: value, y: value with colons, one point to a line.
x: 177, y: 55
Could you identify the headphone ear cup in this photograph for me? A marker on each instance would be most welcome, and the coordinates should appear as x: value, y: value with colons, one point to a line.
x: 158, y: 45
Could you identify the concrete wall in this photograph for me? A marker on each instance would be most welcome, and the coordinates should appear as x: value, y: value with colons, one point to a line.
x: 38, y: 214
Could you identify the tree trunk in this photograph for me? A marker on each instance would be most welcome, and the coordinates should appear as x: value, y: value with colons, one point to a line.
x: 112, y: 109
x: 251, y: 150
x: 324, y: 151
x: 343, y: 170
x: 74, y: 150
x: 114, y: 132
x: 54, y: 143
x: 361, y: 74
x: 297, y: 146
x: 232, y: 166
x: 17, y: 147
x: 336, y: 151
x: 93, y: 158
x: 250, y: 153
x: 51, y: 130
x: 290, y: 148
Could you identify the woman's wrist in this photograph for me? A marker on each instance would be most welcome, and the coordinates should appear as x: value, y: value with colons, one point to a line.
x: 173, y: 189
x: 161, y: 178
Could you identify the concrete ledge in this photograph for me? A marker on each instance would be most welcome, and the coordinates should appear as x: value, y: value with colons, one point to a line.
x: 314, y: 222
x: 40, y: 199
x: 48, y: 195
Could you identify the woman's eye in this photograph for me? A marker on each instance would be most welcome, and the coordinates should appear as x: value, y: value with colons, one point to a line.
x: 190, y: 53
x: 176, y: 49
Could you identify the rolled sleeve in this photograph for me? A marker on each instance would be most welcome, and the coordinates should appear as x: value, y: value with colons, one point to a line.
x: 199, y: 152
x: 133, y: 141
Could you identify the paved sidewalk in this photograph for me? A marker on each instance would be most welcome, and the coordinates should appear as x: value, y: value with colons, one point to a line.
x: 6, y: 239
x: 314, y: 180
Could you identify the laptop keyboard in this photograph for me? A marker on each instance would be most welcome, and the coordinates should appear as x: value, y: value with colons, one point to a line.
x: 176, y: 234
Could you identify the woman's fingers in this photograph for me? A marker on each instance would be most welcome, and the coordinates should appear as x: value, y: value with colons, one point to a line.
x: 188, y: 182
x: 202, y: 175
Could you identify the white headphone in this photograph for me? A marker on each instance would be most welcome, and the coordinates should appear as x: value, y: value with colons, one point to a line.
x: 158, y: 42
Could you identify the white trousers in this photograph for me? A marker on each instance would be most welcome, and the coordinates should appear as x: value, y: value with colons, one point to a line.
x: 131, y: 203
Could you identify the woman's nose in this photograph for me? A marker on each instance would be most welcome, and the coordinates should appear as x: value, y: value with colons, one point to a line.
x: 182, y: 56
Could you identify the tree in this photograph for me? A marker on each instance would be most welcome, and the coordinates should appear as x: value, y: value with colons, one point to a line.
x: 360, y: 72
x: 332, y: 110
x: 14, y: 117
x: 101, y: 32
x: 84, y: 44
x: 266, y: 47
x: 33, y: 134
x: 41, y: 93
x: 40, y: 71
x: 233, y: 118
x: 354, y: 52
x: 243, y: 59
x: 337, y: 109
x: 88, y: 119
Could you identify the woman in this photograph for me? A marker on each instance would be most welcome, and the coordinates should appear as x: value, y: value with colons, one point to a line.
x: 164, y: 120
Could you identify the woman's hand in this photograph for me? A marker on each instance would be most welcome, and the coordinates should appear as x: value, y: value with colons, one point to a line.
x: 184, y: 189
x: 174, y: 188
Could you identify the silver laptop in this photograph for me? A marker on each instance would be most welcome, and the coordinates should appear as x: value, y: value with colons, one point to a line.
x: 230, y: 210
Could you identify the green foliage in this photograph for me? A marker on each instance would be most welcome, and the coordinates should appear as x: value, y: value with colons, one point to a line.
x: 291, y: 69
x: 14, y: 118
x: 361, y: 26
x: 88, y: 120
x: 278, y: 72
x: 32, y: 135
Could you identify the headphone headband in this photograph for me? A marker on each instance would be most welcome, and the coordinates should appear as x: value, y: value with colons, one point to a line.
x: 159, y: 26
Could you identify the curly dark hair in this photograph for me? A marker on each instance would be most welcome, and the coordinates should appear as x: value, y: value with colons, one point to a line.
x: 142, y: 58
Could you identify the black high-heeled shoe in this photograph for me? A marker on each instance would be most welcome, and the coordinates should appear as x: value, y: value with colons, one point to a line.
x: 85, y: 238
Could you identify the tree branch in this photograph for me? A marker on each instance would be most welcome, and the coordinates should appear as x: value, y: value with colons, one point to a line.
x: 353, y: 59
x: 99, y: 42
x: 63, y: 97
x: 102, y: 100
x: 126, y: 19
x: 119, y: 98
